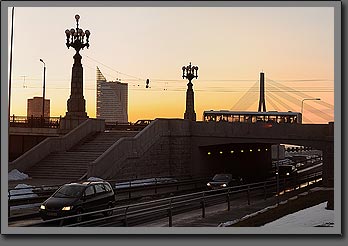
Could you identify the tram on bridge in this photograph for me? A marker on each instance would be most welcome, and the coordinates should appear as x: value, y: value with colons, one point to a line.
x: 253, y: 117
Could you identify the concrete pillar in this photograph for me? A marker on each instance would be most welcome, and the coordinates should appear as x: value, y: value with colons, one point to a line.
x: 262, y: 102
x: 76, y: 103
x: 328, y: 167
x: 190, y: 109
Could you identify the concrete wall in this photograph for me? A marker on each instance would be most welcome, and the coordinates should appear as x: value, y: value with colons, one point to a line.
x: 54, y: 144
x: 158, y: 160
x: 23, y: 139
x: 19, y: 144
x: 173, y: 146
x: 160, y: 148
x: 52, y: 132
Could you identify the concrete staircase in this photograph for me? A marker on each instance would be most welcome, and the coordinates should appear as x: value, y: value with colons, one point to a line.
x: 72, y: 164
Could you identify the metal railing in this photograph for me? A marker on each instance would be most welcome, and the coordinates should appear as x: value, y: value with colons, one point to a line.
x: 35, y: 122
x: 165, y: 208
x: 129, y: 190
x: 299, y: 164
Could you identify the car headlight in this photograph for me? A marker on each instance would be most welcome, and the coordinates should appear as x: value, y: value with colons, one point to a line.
x: 224, y: 185
x: 208, y: 184
x: 42, y: 207
x: 67, y: 208
x: 287, y: 174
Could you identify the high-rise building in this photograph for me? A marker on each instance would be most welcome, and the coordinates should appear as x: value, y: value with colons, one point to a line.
x: 35, y: 107
x: 112, y: 100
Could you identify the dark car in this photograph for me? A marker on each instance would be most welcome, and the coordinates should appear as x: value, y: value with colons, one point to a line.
x: 287, y: 171
x: 77, y: 198
x: 223, y: 180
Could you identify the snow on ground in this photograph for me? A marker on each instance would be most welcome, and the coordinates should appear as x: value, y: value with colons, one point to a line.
x: 310, y: 217
x: 22, y: 191
x: 17, y: 175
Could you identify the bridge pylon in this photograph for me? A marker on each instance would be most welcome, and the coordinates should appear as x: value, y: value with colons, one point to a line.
x: 262, y: 102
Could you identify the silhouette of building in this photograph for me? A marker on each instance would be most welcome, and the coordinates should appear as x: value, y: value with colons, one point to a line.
x: 35, y: 107
x: 112, y: 100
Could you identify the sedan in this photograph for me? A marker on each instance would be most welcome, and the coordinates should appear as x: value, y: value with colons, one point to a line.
x: 224, y: 180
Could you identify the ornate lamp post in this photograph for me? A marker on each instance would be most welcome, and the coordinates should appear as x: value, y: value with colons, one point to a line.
x: 190, y: 72
x: 78, y: 39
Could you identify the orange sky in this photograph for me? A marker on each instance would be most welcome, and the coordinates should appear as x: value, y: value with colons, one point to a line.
x: 229, y: 45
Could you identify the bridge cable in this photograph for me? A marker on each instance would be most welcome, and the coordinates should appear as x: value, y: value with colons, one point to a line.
x: 247, y: 99
x: 298, y: 93
x: 272, y: 103
x: 275, y: 98
x: 310, y: 108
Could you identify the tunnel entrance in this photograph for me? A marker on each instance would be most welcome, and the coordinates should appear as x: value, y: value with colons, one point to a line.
x: 251, y: 161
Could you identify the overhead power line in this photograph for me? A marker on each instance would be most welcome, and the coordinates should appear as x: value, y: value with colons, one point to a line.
x: 114, y: 69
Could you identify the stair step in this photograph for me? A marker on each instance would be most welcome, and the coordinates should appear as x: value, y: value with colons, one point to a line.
x: 73, y: 164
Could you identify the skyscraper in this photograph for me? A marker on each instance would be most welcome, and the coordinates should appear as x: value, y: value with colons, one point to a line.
x: 35, y: 107
x: 112, y: 100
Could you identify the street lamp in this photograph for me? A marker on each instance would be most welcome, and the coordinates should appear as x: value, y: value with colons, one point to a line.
x: 76, y: 39
x: 190, y: 72
x: 43, y: 92
x: 305, y: 100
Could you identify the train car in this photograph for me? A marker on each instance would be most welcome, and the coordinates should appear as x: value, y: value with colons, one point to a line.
x: 253, y: 117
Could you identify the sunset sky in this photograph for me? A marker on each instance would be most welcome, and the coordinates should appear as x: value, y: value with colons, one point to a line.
x: 294, y: 46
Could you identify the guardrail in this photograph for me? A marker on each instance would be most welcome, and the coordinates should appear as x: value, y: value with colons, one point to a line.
x: 167, y: 207
x: 299, y: 164
x: 41, y: 193
x: 128, y: 190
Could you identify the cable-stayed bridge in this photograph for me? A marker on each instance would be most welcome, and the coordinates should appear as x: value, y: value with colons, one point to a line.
x: 280, y: 97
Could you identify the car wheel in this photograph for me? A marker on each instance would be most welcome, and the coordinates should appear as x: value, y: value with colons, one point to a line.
x: 109, y: 213
x: 79, y: 218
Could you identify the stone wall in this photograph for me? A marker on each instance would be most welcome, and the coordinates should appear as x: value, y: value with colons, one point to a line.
x: 170, y: 156
x: 162, y: 148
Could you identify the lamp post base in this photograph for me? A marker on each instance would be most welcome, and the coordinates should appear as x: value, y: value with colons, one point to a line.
x: 72, y: 120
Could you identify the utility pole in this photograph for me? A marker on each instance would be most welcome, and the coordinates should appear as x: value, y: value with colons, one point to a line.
x: 43, y: 92
x: 10, y: 76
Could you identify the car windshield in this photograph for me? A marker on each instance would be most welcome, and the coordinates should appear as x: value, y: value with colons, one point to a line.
x: 69, y: 191
x: 286, y: 169
x: 222, y: 177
